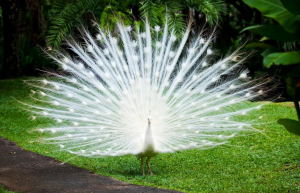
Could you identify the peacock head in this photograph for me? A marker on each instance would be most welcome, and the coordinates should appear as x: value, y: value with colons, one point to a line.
x: 149, y: 119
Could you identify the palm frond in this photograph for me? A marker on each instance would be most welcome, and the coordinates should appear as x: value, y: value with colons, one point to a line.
x: 212, y: 9
x: 66, y: 17
x: 67, y: 13
x: 152, y: 10
x: 176, y: 19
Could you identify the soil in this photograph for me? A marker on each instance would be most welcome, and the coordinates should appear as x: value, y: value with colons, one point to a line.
x: 25, y: 171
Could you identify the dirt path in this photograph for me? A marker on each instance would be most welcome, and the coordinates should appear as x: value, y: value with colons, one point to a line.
x: 25, y: 171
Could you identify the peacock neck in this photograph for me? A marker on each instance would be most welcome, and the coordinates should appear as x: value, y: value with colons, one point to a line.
x: 149, y: 140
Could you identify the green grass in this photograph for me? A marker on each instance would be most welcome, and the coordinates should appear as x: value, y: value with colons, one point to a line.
x: 2, y: 190
x: 254, y: 163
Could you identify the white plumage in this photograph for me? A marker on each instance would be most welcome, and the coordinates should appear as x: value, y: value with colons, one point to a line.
x: 143, y: 93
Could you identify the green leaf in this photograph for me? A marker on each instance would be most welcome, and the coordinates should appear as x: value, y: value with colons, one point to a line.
x: 256, y: 44
x: 66, y: 15
x: 292, y: 6
x: 264, y: 39
x: 268, y: 31
x: 268, y: 51
x: 290, y: 86
x: 291, y: 71
x: 291, y: 125
x: 282, y: 58
x: 212, y: 9
x: 275, y: 10
x: 151, y: 10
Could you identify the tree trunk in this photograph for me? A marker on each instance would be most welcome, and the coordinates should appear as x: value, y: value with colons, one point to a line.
x: 37, y: 22
x: 11, y: 55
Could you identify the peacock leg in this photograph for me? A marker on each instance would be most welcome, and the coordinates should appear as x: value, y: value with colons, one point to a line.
x: 142, y: 165
x: 147, y: 162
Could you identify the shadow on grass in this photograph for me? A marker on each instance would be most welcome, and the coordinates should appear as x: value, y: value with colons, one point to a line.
x: 292, y: 126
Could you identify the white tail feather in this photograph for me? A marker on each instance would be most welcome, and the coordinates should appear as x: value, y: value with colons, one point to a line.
x: 113, y: 84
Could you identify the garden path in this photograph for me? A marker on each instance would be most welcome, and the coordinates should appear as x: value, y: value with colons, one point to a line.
x: 26, y: 171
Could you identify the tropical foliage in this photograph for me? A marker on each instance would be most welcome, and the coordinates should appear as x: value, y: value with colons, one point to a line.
x: 68, y: 14
x: 281, y: 42
x: 273, y: 28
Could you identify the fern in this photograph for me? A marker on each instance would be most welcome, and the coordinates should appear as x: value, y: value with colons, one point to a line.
x: 67, y: 14
x: 66, y: 18
x: 110, y: 16
x: 176, y: 20
x: 152, y: 10
x: 212, y: 9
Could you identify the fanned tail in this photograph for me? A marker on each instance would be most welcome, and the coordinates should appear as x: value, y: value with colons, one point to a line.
x: 112, y: 84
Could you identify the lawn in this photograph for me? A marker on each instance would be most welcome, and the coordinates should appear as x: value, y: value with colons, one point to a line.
x: 2, y: 190
x: 253, y: 163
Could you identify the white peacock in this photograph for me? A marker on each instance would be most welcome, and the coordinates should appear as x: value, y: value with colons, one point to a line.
x: 143, y: 92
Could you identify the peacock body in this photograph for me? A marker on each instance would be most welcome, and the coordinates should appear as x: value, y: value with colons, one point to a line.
x: 143, y: 92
